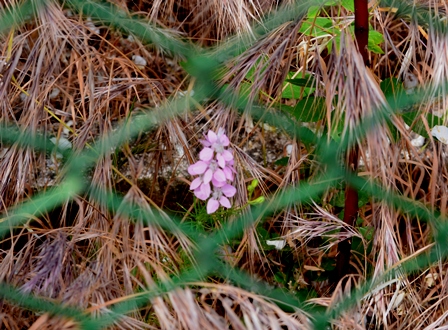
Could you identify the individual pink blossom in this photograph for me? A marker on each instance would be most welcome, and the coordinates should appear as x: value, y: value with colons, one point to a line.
x: 216, y: 141
x: 203, y: 191
x: 200, y: 188
x: 219, y: 197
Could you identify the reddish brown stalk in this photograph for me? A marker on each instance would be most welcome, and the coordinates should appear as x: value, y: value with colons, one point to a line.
x: 351, y: 194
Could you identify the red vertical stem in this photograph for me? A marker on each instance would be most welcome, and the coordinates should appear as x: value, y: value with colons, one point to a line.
x: 351, y: 194
x: 362, y: 27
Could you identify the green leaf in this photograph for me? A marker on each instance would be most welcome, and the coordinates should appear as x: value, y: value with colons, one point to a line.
x: 328, y: 264
x: 257, y: 201
x: 297, y: 87
x: 367, y: 232
x: 304, y: 82
x: 336, y: 130
x: 392, y: 89
x: 339, y: 199
x: 313, y: 11
x: 363, y: 198
x: 375, y: 39
x: 282, y: 161
x: 317, y: 26
x: 280, y: 278
x: 348, y: 4
x: 310, y: 109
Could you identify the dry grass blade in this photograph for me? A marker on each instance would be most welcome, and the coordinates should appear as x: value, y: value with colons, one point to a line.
x: 220, y: 306
x: 207, y: 21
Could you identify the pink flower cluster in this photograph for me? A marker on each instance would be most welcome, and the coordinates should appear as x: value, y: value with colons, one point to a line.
x: 215, y: 170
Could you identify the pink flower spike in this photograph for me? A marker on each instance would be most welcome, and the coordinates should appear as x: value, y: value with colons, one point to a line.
x: 228, y: 190
x: 198, y: 168
x: 206, y: 154
x: 212, y: 206
x: 195, y: 183
x: 224, y: 201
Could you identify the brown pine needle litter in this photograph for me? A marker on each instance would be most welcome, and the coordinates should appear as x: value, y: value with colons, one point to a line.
x: 105, y: 98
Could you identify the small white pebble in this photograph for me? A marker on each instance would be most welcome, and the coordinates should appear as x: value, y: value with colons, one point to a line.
x: 139, y: 61
x: 289, y: 149
x: 418, y: 141
x: 63, y: 143
x: 278, y: 244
